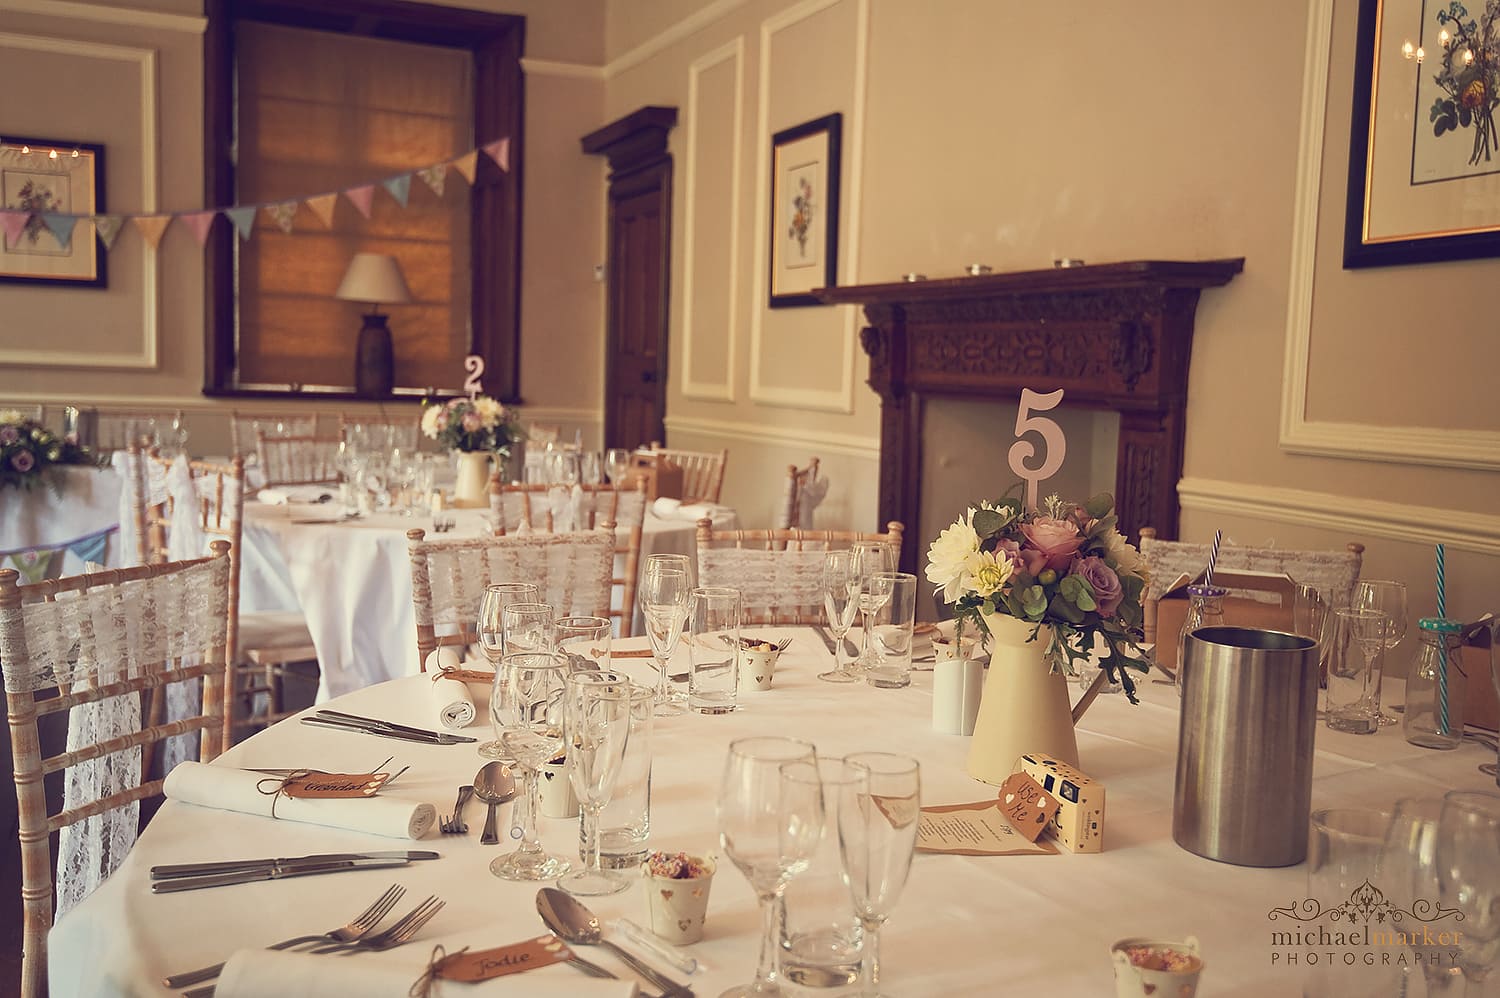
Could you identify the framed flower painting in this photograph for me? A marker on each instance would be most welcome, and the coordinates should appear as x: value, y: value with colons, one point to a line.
x: 804, y: 211
x: 48, y: 188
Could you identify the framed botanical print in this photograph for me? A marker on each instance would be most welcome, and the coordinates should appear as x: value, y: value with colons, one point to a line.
x: 48, y: 188
x: 804, y: 211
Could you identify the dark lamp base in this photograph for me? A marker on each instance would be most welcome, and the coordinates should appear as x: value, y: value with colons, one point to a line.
x: 374, y: 363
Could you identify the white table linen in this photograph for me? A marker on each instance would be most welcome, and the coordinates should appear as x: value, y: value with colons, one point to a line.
x: 258, y: 974
x: 88, y: 502
x: 1042, y: 925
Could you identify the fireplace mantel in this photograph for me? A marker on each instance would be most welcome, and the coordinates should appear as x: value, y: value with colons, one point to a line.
x: 1116, y: 336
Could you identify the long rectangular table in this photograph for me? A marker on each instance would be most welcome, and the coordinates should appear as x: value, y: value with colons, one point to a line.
x: 1025, y: 925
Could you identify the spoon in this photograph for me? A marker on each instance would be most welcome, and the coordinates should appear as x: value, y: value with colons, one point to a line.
x: 494, y: 785
x: 575, y: 923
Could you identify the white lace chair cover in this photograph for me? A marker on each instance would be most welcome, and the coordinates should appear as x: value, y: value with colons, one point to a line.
x: 1332, y: 573
x: 295, y: 460
x: 775, y: 586
x: 144, y: 484
x: 90, y: 639
x: 245, y: 428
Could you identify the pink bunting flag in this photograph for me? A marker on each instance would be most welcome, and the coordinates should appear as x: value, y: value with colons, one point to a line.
x: 361, y: 198
x: 108, y: 227
x: 152, y: 227
x: 282, y: 213
x: 14, y: 223
x: 199, y: 222
x: 435, y: 177
x: 499, y: 151
x: 322, y: 206
x: 466, y: 164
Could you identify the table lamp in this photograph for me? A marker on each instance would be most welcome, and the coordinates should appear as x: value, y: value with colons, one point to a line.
x: 375, y: 279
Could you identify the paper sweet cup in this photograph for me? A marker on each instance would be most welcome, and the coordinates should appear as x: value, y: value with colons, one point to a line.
x: 558, y: 798
x: 678, y: 906
x: 756, y: 669
x: 946, y: 649
x: 1156, y: 967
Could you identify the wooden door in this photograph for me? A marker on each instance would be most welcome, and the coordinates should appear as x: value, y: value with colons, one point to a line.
x: 640, y: 251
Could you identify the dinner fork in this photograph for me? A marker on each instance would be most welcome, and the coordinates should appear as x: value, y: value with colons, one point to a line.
x: 356, y: 928
x: 397, y: 934
x: 455, y: 825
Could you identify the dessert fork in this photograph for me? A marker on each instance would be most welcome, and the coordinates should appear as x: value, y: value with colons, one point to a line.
x: 397, y: 934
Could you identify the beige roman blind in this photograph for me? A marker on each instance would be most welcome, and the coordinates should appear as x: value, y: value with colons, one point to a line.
x: 321, y: 112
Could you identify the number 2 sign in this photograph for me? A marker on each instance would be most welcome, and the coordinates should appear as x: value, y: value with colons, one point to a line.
x: 1054, y: 443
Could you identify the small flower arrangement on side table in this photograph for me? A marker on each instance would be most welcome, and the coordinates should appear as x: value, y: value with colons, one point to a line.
x: 476, y: 428
x: 28, y: 451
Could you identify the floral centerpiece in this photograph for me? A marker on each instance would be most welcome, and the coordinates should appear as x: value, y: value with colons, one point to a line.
x: 480, y: 424
x: 28, y: 451
x: 1064, y: 566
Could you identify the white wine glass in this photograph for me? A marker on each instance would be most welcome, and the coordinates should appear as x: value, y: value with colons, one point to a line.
x: 841, y: 592
x: 532, y: 725
x: 877, y: 836
x: 1389, y: 598
x: 597, y: 714
x: 1406, y: 870
x: 616, y: 464
x: 1468, y: 867
x: 491, y: 633
x: 664, y: 595
x: 766, y: 839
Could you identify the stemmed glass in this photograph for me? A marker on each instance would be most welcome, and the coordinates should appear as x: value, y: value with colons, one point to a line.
x: 873, y: 565
x: 769, y: 835
x: 530, y: 714
x: 616, y: 463
x: 598, y: 727
x: 1390, y: 599
x: 1407, y: 873
x: 877, y: 836
x: 664, y: 604
x: 528, y: 627
x: 1468, y: 868
x: 585, y: 641
x: 490, y: 629
x: 1354, y: 663
x: 841, y: 592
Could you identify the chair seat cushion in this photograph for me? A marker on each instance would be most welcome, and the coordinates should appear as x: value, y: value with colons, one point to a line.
x: 273, y: 630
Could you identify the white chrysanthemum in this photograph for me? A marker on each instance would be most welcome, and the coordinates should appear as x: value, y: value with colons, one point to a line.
x: 986, y: 574
x: 1121, y: 554
x: 490, y: 411
x: 11, y: 416
x: 948, y: 558
x: 432, y: 420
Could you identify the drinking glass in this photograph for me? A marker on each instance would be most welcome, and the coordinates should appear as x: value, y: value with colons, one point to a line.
x: 1390, y: 599
x: 713, y: 649
x: 1407, y: 874
x: 591, y: 467
x: 1358, y: 646
x: 530, y: 712
x: 891, y: 633
x: 841, y: 591
x: 877, y: 836
x: 664, y: 603
x: 584, y: 641
x: 616, y: 463
x: 528, y: 627
x: 679, y: 562
x: 767, y: 840
x: 597, y: 713
x: 874, y: 594
x: 491, y: 632
x: 1344, y: 848
x: 870, y: 559
x: 1468, y: 866
x: 820, y: 935
x: 625, y: 821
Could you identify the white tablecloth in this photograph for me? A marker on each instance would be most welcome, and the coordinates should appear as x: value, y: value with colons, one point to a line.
x: 87, y: 501
x: 352, y: 581
x: 1022, y: 925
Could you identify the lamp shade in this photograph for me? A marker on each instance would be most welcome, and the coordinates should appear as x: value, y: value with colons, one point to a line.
x: 374, y: 278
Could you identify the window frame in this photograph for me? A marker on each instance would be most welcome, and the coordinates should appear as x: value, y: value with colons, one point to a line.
x: 497, y: 42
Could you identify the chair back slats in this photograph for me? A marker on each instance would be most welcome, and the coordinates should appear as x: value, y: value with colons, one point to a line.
x: 135, y: 739
x: 702, y: 471
x: 244, y: 426
x: 75, y: 815
x: 118, y: 429
x: 297, y: 460
x: 139, y: 684
x: 402, y: 432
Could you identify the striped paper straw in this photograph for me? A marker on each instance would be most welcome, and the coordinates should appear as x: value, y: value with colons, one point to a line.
x: 1213, y: 556
x: 1442, y: 676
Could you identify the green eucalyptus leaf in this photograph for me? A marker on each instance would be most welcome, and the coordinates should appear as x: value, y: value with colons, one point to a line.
x: 1100, y: 505
x: 987, y: 522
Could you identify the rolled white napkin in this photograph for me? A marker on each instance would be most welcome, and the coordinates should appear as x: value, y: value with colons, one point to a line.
x: 280, y: 496
x: 239, y: 790
x: 666, y: 508
x: 450, y: 697
x: 270, y: 974
x: 675, y: 509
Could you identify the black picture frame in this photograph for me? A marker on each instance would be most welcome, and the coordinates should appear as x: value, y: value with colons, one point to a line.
x: 1371, y: 175
x: 803, y: 253
x: 83, y: 263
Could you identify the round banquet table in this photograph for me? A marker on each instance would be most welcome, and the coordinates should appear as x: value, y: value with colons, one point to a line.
x: 1026, y: 925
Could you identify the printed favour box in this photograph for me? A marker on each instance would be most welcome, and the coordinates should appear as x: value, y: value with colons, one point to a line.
x: 1078, y: 825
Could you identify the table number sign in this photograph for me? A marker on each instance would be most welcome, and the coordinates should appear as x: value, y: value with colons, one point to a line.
x: 1027, y: 805
x: 1054, y: 442
x: 474, y: 364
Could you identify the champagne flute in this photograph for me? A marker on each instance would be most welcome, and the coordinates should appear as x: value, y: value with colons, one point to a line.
x: 491, y: 632
x: 766, y: 840
x: 664, y: 603
x: 1468, y: 868
x: 530, y: 713
x: 877, y: 836
x: 597, y: 713
x: 1390, y: 599
x: 841, y: 592
x: 871, y: 559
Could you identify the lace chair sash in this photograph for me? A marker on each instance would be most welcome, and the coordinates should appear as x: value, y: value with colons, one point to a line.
x: 773, y: 585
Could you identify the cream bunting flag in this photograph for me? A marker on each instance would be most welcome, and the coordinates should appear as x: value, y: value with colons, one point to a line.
x: 435, y: 176
x: 466, y: 164
x: 14, y: 223
x: 61, y: 227
x: 499, y: 151
x: 283, y: 212
x: 199, y: 222
x: 152, y: 227
x: 398, y: 187
x: 361, y: 198
x: 322, y: 206
x: 243, y: 219
x: 108, y: 227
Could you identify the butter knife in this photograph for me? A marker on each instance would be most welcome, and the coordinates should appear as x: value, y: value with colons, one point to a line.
x: 269, y: 873
x: 285, y: 862
x: 375, y: 722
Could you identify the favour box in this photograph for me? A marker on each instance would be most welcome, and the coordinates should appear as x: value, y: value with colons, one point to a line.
x: 663, y: 478
x: 1078, y: 825
x: 1272, y: 609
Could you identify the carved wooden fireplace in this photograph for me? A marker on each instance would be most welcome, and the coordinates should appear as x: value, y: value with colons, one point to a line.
x: 1115, y: 336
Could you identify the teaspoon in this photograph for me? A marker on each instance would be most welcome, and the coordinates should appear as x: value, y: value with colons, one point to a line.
x: 494, y: 785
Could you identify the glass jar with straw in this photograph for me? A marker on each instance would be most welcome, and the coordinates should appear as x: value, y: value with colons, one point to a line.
x: 1434, y: 715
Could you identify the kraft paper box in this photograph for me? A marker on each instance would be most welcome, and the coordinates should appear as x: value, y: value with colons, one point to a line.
x: 1481, y: 707
x: 663, y: 477
x: 1239, y: 611
x: 1078, y: 825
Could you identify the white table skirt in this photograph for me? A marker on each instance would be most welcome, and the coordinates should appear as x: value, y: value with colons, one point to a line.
x: 87, y: 501
x: 1040, y: 924
x: 352, y: 582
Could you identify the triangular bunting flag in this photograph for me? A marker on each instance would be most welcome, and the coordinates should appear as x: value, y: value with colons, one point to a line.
x: 399, y: 187
x: 466, y: 163
x: 435, y: 176
x: 108, y: 227
x: 499, y: 151
x: 322, y: 206
x: 199, y: 222
x: 152, y: 227
x: 60, y: 226
x: 283, y: 213
x: 243, y: 219
x: 361, y: 198
x: 14, y: 223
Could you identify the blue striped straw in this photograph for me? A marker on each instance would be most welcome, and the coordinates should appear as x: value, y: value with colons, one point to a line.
x: 1213, y: 556
x: 1442, y: 676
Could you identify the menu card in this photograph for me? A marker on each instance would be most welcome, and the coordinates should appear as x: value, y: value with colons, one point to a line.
x: 977, y: 829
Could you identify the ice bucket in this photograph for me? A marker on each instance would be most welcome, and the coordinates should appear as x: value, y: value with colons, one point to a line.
x: 1245, y: 746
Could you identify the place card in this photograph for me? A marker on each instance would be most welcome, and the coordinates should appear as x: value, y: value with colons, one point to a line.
x: 325, y: 785
x: 977, y: 829
x: 1027, y: 805
x: 482, y: 965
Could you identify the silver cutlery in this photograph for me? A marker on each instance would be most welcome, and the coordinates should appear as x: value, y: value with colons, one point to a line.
x: 176, y: 884
x: 576, y: 924
x: 409, y: 925
x: 356, y: 927
x: 828, y: 641
x: 594, y: 970
x: 382, y: 733
x: 390, y: 729
x: 494, y: 784
x: 238, y: 865
x: 455, y: 825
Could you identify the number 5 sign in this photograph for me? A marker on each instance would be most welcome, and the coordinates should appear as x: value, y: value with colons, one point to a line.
x: 1055, y: 445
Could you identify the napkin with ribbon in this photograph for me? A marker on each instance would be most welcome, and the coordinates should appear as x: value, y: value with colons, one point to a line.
x: 270, y: 974
x: 675, y: 509
x: 253, y: 793
x: 449, y: 695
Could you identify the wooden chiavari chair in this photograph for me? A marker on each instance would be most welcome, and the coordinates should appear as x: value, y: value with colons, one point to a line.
x: 702, y: 471
x: 243, y: 426
x: 795, y: 511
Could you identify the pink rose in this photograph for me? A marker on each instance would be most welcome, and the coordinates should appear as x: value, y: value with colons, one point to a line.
x: 472, y: 422
x: 1056, y: 540
x: 1103, y: 580
x: 8, y: 435
x: 22, y: 461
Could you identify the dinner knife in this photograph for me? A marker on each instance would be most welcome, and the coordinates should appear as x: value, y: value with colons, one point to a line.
x: 269, y: 873
x: 828, y: 641
x: 421, y: 738
x: 376, y: 722
x: 233, y: 865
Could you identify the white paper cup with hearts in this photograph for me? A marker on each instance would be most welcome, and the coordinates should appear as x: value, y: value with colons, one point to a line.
x: 558, y: 798
x: 757, y: 667
x: 1156, y: 967
x: 677, y: 894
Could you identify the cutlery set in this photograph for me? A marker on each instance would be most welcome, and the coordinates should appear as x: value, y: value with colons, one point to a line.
x: 384, y: 729
x: 193, y: 876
